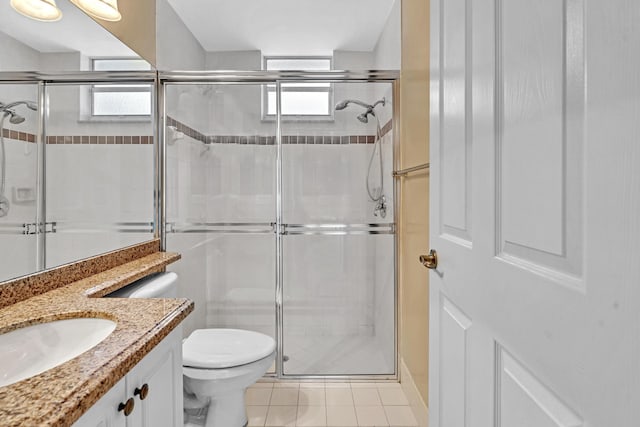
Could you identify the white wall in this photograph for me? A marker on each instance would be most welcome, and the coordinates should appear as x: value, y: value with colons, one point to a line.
x: 17, y: 56
x: 176, y: 47
x: 234, y: 60
x: 388, y: 50
x: 387, y: 54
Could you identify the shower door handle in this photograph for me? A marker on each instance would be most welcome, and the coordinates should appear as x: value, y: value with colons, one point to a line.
x: 430, y: 261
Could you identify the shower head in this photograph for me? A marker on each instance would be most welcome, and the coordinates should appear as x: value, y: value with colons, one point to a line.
x: 364, y: 117
x: 343, y: 104
x: 30, y: 105
x: 15, y: 118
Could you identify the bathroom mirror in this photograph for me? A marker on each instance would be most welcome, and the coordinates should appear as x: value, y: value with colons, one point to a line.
x: 89, y: 189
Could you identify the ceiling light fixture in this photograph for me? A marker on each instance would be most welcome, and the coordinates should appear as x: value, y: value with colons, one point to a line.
x: 40, y: 10
x: 106, y: 10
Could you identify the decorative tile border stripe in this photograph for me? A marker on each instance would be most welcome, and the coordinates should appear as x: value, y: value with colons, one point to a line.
x: 199, y: 136
x: 18, y: 136
x: 101, y: 139
x: 80, y: 139
x: 387, y: 127
x: 270, y: 140
x: 187, y: 130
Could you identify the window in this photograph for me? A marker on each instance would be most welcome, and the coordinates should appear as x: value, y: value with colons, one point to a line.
x: 122, y: 99
x: 304, y: 101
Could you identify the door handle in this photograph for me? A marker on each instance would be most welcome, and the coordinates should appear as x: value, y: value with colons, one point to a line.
x: 430, y: 261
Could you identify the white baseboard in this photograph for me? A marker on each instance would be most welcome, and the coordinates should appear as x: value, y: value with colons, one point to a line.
x: 418, y: 406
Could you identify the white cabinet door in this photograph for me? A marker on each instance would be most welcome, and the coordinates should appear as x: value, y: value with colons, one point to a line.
x: 104, y: 413
x: 535, y: 213
x: 161, y: 372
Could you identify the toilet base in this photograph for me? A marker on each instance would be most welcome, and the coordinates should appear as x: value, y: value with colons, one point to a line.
x: 227, y: 410
x: 224, y: 389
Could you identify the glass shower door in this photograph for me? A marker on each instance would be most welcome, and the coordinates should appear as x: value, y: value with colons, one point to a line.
x: 20, y: 250
x: 99, y: 174
x: 338, y: 259
x: 221, y: 204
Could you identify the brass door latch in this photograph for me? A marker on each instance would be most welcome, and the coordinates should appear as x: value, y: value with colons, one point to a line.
x: 430, y: 261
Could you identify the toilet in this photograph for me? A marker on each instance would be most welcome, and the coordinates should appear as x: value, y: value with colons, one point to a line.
x: 217, y: 364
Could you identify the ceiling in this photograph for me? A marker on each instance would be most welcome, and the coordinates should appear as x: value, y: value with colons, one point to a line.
x: 75, y: 32
x: 285, y: 27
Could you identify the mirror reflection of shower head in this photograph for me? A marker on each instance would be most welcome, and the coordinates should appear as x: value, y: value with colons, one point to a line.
x: 7, y: 110
x: 30, y: 105
x: 14, y: 118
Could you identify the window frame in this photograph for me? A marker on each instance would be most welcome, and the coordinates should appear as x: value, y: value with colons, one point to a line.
x: 298, y: 117
x: 121, y: 88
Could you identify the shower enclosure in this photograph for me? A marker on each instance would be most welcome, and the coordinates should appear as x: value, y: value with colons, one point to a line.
x: 287, y: 221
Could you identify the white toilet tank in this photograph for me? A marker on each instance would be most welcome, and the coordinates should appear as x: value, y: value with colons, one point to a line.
x: 156, y: 285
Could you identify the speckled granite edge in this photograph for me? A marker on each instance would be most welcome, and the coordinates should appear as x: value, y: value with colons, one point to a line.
x: 59, y: 396
x: 22, y: 288
x: 98, y: 385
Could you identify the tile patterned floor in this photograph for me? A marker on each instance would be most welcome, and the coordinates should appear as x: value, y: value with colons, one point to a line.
x: 284, y: 404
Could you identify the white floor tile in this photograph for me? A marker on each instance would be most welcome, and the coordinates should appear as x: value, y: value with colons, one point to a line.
x: 284, y: 396
x: 309, y: 416
x: 281, y: 416
x: 392, y: 396
x: 373, y: 416
x: 311, y: 397
x: 339, y: 397
x: 261, y: 384
x: 320, y: 404
x: 337, y: 385
x: 363, y: 385
x: 388, y: 385
x: 312, y: 385
x: 366, y: 396
x: 257, y: 396
x: 400, y: 416
x: 286, y: 384
x: 341, y: 416
x: 257, y: 415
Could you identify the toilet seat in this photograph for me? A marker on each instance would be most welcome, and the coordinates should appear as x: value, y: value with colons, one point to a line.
x: 225, y: 348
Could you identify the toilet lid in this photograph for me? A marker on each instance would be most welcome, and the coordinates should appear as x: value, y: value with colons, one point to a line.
x: 225, y: 348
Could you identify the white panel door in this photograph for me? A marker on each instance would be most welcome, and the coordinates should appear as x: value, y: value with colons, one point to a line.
x: 535, y: 213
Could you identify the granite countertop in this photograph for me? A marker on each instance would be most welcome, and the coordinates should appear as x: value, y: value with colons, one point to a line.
x: 59, y: 396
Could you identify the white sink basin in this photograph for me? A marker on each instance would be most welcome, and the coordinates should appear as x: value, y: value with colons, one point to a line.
x: 31, y: 350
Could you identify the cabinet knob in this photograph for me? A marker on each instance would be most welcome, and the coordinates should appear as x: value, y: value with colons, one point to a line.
x: 127, y: 407
x: 142, y: 391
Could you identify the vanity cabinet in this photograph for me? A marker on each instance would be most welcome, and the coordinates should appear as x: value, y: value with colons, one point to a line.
x: 151, y: 393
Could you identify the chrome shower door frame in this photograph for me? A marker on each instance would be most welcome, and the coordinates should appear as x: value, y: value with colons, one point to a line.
x: 277, y: 79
